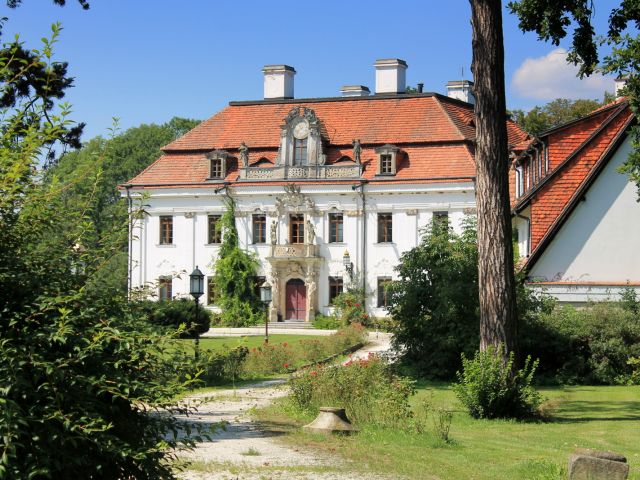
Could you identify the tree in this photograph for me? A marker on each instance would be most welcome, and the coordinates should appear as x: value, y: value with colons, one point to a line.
x: 551, y: 20
x: 554, y: 113
x: 498, y: 313
x: 235, y: 275
x: 79, y: 372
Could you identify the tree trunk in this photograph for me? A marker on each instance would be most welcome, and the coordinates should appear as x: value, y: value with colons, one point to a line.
x: 498, y: 313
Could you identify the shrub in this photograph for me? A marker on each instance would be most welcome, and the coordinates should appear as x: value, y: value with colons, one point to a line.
x: 368, y: 390
x: 350, y: 307
x: 327, y: 322
x: 489, y: 388
x: 180, y: 313
x: 211, y: 367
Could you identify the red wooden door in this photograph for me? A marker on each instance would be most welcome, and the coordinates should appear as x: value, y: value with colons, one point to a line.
x: 296, y: 300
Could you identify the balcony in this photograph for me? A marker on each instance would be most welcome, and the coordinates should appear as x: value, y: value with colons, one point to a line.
x: 294, y: 251
x: 301, y: 172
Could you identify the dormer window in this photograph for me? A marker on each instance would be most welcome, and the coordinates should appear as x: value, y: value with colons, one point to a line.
x: 387, y: 159
x: 299, y: 151
x: 217, y: 164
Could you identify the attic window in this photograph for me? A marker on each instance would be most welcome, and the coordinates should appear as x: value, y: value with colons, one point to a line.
x: 217, y: 164
x: 387, y: 159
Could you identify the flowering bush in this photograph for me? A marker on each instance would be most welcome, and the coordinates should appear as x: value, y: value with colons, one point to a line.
x: 350, y: 308
x: 368, y: 390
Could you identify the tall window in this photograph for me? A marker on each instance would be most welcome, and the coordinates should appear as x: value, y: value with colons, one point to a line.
x: 335, y: 228
x: 214, y: 234
x: 216, y: 168
x: 165, y: 288
x: 166, y: 230
x: 296, y: 228
x: 299, y: 151
x: 385, y: 228
x: 211, y: 291
x: 386, y: 164
x: 382, y: 291
x: 335, y: 287
x: 259, y: 228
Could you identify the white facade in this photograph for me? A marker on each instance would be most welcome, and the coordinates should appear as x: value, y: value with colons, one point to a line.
x: 595, y: 252
x: 411, y: 206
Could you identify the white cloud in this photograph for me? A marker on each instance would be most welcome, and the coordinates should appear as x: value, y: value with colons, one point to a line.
x: 550, y: 77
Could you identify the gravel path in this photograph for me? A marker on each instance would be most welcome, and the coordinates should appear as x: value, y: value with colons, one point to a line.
x: 243, y: 450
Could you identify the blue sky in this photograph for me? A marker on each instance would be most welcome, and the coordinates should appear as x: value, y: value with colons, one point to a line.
x: 146, y: 61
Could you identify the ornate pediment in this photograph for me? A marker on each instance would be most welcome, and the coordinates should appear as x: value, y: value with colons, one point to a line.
x: 294, y: 200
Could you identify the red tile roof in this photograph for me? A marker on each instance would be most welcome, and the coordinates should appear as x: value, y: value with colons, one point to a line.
x: 434, y: 133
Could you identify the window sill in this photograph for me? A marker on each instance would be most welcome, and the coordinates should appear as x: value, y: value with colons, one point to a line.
x: 166, y: 245
x: 337, y: 244
x: 213, y: 244
x: 385, y: 243
x: 258, y: 244
x: 385, y: 174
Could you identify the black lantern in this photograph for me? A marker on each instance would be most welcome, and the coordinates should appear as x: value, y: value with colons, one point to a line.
x: 196, y: 289
x: 265, y: 298
x: 196, y: 283
x: 348, y: 264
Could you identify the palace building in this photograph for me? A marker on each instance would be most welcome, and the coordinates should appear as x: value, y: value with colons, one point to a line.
x: 326, y: 190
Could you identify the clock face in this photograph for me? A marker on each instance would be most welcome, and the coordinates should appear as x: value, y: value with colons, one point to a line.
x: 301, y: 130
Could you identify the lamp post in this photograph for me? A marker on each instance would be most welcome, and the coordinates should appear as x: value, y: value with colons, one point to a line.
x: 196, y: 289
x: 348, y: 264
x: 265, y: 298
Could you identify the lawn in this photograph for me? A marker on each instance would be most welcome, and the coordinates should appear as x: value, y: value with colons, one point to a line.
x: 221, y: 343
x: 606, y: 418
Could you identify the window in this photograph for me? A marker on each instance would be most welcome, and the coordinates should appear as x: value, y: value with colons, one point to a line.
x: 299, y: 151
x: 166, y: 230
x: 385, y: 228
x: 165, y: 290
x: 214, y: 234
x: 441, y: 220
x: 216, y: 168
x: 382, y: 291
x: 387, y: 159
x: 296, y: 229
x: 335, y: 228
x: 385, y: 165
x: 259, y: 228
x: 211, y: 291
x: 335, y: 287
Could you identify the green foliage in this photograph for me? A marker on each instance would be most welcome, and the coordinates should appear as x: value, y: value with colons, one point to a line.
x: 634, y: 377
x: 178, y: 314
x: 368, y: 389
x: 79, y: 371
x: 234, y: 277
x: 350, y: 308
x: 211, y: 367
x: 324, y: 322
x: 489, y: 388
x: 589, y: 345
x: 435, y: 301
x: 554, y: 113
x: 629, y: 300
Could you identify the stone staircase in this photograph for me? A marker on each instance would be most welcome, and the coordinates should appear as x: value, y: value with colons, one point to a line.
x: 289, y: 324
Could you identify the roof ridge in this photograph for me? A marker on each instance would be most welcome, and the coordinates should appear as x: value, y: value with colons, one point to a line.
x: 598, y: 111
x: 446, y: 113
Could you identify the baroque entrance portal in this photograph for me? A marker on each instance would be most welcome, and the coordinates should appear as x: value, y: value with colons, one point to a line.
x: 296, y: 300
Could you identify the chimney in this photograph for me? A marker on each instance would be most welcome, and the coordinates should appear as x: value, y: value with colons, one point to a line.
x: 355, y: 91
x: 620, y: 83
x: 390, y: 75
x: 462, y: 90
x: 278, y: 81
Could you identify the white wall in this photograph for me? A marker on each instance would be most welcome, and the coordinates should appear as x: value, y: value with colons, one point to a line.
x: 412, y: 207
x: 599, y: 242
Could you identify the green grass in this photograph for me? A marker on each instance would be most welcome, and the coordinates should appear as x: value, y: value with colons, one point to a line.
x: 605, y: 418
x: 221, y: 343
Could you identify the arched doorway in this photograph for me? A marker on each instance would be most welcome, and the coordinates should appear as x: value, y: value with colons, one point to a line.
x: 295, y: 300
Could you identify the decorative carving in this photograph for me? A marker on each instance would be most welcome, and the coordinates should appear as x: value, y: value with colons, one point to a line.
x: 244, y: 155
x: 297, y: 172
x: 356, y: 151
x: 352, y: 213
x: 274, y: 233
x: 412, y: 211
x: 189, y: 214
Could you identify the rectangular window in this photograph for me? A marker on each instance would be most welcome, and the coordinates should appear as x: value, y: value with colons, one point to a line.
x: 335, y: 287
x: 165, y: 288
x: 441, y: 220
x: 214, y: 234
x: 216, y: 168
x: 211, y: 291
x: 296, y: 229
x: 335, y: 228
x: 299, y: 151
x: 386, y: 167
x: 382, y: 291
x: 166, y: 230
x: 259, y: 228
x: 385, y: 228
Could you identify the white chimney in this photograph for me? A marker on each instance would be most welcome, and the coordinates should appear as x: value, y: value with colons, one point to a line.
x: 620, y: 83
x: 390, y: 75
x: 461, y: 90
x: 355, y: 91
x: 278, y: 81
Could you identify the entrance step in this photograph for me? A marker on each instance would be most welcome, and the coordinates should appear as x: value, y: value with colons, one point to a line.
x: 290, y: 324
